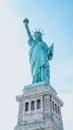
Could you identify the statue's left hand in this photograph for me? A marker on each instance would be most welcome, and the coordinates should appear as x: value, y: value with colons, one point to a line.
x: 52, y: 47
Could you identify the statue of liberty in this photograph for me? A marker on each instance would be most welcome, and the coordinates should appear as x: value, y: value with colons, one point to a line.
x: 39, y: 54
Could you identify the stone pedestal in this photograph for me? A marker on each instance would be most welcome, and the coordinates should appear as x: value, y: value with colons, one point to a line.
x: 39, y: 108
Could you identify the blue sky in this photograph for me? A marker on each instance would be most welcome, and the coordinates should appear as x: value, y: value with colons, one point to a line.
x: 55, y: 18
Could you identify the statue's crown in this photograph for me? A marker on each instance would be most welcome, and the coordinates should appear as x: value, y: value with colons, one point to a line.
x: 38, y: 31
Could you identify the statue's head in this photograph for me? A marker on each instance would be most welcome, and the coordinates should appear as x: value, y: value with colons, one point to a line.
x: 38, y: 35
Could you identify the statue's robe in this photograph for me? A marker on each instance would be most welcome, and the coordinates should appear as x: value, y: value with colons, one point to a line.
x: 39, y: 54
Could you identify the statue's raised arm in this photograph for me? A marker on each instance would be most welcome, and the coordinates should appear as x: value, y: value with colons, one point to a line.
x: 26, y: 21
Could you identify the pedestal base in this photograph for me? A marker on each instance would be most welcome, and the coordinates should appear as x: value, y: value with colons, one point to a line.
x: 39, y: 108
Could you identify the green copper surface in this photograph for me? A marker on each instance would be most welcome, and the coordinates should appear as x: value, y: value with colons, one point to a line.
x: 39, y: 54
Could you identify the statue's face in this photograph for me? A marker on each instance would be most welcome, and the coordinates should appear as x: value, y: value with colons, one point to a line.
x: 38, y: 36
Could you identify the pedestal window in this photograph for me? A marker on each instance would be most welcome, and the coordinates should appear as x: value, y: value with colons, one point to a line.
x: 53, y: 105
x: 26, y: 106
x: 58, y: 110
x: 32, y: 105
x: 38, y: 104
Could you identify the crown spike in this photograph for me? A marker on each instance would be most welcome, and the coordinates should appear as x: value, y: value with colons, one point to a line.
x: 35, y: 29
x: 38, y: 31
